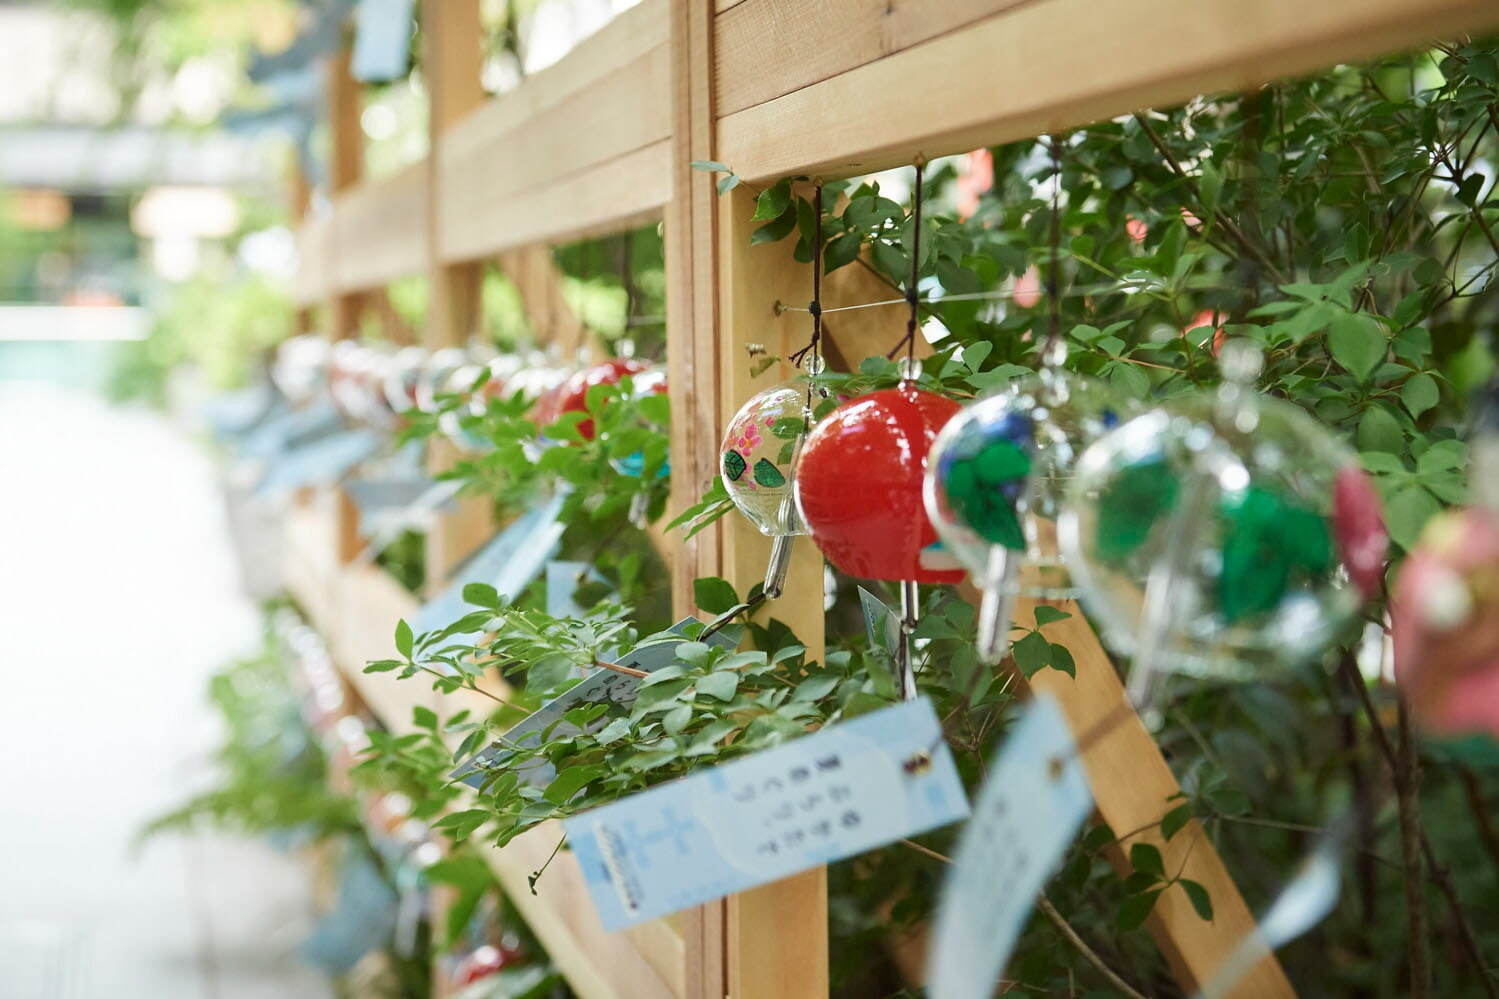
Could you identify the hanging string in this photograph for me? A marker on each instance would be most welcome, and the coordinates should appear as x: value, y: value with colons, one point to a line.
x: 1053, y: 274
x: 912, y: 299
x: 814, y: 345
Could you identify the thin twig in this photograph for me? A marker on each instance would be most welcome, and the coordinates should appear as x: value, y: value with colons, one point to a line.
x: 617, y: 668
x: 1479, y: 808
x: 1459, y: 917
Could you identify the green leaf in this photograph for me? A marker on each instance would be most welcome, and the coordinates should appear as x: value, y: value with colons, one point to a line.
x: 712, y: 166
x: 572, y: 780
x: 1032, y: 653
x: 1419, y: 393
x: 1047, y: 614
x: 815, y: 688
x: 613, y: 732
x: 1061, y: 659
x: 840, y: 251
x: 1198, y: 895
x: 713, y: 594
x: 1134, y: 910
x: 1357, y: 343
x: 733, y: 465
x: 1380, y: 431
x: 772, y: 201
x: 721, y: 684
x: 404, y: 638
x: 481, y: 595
x: 728, y: 183
x: 775, y: 230
x: 1407, y: 513
x: 676, y: 719
x: 383, y: 665
x: 1175, y: 820
x: 1146, y: 857
x: 549, y: 671
x: 423, y: 717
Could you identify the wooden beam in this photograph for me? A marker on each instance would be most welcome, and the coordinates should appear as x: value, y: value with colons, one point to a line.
x: 999, y: 79
x: 691, y: 357
x: 379, y: 231
x: 777, y: 934
x: 579, y: 148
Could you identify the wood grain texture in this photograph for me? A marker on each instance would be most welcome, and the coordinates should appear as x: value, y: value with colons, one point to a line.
x: 778, y: 933
x: 994, y: 81
x: 608, y: 197
x: 691, y: 357
x: 767, y: 48
x: 575, y: 150
x: 378, y: 231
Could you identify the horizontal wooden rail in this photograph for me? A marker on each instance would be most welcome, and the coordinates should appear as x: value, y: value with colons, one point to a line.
x: 312, y: 284
x: 900, y: 88
x: 379, y: 231
x: 582, y: 147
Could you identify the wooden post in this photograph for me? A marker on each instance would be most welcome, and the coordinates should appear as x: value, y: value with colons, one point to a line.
x: 345, y: 167
x: 452, y: 61
x: 777, y: 934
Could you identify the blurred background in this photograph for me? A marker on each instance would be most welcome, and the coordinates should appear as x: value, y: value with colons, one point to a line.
x: 146, y: 152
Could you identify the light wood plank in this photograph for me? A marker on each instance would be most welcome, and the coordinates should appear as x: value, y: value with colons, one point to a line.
x: 767, y: 48
x: 599, y: 118
x: 607, y: 198
x: 453, y: 37
x: 629, y: 109
x: 778, y: 933
x: 596, y: 963
x: 995, y: 81
x: 379, y: 231
x: 691, y: 319
x: 313, y: 282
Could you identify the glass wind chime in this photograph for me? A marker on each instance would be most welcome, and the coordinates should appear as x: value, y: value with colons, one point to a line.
x: 1223, y: 534
x: 859, y: 481
x: 762, y: 444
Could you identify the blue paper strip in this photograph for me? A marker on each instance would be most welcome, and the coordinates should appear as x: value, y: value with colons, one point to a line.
x: 1028, y: 811
x: 511, y: 560
x: 326, y: 459
x: 844, y: 790
x: 563, y: 580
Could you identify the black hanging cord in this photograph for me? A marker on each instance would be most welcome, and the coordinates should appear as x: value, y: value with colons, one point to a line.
x: 909, y: 340
x: 815, y: 306
x: 1053, y: 274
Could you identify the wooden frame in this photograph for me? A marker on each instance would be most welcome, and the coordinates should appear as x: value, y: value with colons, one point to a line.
x: 602, y: 140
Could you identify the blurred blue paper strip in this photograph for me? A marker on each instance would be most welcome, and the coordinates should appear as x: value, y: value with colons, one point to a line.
x: 1028, y: 811
x: 563, y: 580
x: 363, y: 918
x: 382, y: 40
x: 844, y: 790
x: 288, y: 427
x: 511, y: 560
x: 326, y: 459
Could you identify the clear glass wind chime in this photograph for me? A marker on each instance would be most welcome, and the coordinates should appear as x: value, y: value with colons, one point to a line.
x: 762, y: 444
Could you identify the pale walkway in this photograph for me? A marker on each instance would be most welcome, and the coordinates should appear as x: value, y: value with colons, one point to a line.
x: 118, y: 596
